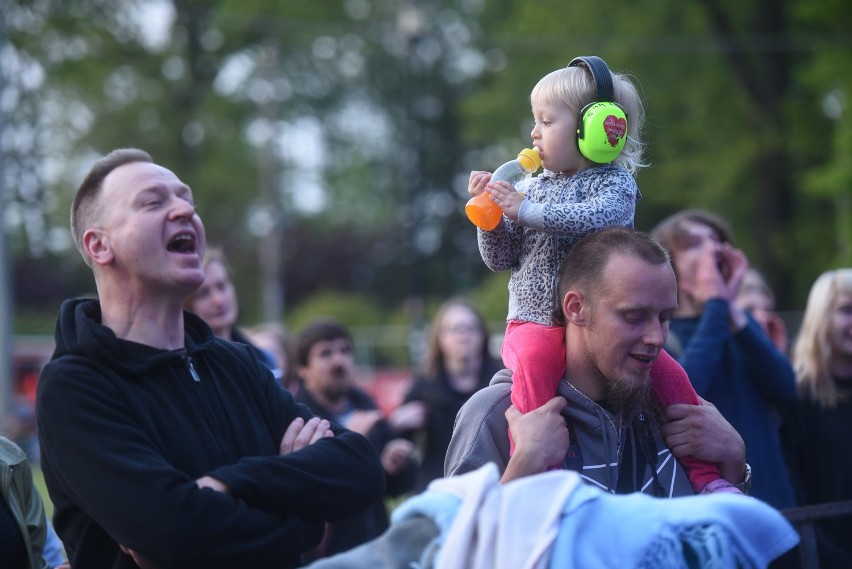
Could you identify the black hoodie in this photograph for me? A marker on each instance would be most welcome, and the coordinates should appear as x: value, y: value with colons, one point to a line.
x: 126, y: 429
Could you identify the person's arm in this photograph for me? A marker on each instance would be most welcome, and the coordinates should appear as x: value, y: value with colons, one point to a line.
x: 540, y: 436
x: 24, y: 495
x: 796, y: 442
x: 53, y: 553
x: 396, y: 453
x: 768, y: 369
x: 500, y: 247
x: 702, y: 432
x: 35, y: 517
x: 714, y: 286
x: 610, y: 200
x: 702, y: 353
x: 412, y: 415
x: 409, y: 418
x: 326, y: 481
x: 401, y: 466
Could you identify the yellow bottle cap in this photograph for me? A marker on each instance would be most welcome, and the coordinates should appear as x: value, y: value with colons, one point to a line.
x: 529, y: 159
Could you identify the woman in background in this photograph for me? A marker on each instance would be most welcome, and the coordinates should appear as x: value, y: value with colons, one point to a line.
x: 457, y: 363
x: 215, y: 302
x: 820, y: 430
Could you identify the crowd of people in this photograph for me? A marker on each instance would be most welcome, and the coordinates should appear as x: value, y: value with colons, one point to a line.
x: 645, y: 362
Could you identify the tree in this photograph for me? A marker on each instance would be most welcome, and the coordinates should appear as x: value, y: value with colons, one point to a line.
x: 733, y: 96
x: 370, y: 87
x: 326, y: 127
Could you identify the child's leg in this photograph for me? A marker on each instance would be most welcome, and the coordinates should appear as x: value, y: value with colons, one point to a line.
x: 536, y: 356
x: 671, y: 385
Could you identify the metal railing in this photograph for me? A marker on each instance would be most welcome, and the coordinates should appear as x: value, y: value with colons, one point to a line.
x: 804, y: 520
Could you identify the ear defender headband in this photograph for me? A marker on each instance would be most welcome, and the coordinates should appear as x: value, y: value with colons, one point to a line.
x: 602, y: 124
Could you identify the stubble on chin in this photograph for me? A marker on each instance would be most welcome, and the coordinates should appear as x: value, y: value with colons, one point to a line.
x: 626, y: 398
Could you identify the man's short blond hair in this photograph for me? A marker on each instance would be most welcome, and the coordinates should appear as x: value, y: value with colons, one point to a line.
x: 84, y: 207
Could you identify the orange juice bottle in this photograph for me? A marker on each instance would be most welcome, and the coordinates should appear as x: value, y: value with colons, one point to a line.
x: 481, y: 210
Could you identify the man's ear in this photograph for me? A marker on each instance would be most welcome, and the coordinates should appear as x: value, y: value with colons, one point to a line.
x: 575, y: 308
x: 96, y: 245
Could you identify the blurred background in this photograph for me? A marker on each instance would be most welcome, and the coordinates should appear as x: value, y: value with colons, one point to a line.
x: 328, y: 142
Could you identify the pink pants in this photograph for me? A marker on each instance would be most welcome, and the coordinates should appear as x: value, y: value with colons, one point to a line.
x: 536, y: 351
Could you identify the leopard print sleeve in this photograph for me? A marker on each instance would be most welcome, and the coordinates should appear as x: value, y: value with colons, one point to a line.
x: 589, y: 201
x: 561, y: 210
x: 500, y: 248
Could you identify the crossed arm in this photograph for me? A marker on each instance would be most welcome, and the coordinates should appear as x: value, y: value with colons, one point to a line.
x: 130, y: 461
x: 299, y: 435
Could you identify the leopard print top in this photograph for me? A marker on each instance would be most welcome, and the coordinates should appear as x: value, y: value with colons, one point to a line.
x: 558, y: 211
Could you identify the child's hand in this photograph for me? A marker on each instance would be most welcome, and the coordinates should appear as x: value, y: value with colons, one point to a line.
x: 507, y: 197
x: 478, y: 181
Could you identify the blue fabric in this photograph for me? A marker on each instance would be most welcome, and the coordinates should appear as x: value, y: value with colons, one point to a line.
x: 440, y: 507
x: 747, y: 378
x: 53, y: 550
x: 599, y: 529
x: 638, y: 531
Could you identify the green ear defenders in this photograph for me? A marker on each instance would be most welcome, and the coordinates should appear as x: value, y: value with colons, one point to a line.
x: 602, y: 125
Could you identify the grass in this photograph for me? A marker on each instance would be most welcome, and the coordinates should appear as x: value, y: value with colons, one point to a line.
x: 38, y: 479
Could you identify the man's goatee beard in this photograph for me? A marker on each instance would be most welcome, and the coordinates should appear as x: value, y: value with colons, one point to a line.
x: 625, y: 400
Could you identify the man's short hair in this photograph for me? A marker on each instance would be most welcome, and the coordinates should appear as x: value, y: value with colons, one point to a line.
x: 83, y: 207
x: 320, y: 330
x: 672, y: 234
x: 583, y: 267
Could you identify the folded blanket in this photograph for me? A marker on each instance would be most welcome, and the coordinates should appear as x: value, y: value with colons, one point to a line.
x: 636, y: 530
x: 554, y: 520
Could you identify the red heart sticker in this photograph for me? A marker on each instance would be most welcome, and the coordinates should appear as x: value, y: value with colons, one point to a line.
x: 615, y: 129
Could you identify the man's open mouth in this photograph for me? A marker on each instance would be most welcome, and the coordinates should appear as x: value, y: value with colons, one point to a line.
x: 182, y: 243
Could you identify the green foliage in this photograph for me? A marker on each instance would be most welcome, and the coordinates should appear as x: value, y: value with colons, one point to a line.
x: 735, y: 117
x: 38, y: 480
x: 378, y: 341
x: 747, y: 115
x: 491, y: 299
x: 30, y: 321
x: 350, y: 309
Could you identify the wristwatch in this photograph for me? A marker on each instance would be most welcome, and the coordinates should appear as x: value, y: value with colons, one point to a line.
x: 745, y: 485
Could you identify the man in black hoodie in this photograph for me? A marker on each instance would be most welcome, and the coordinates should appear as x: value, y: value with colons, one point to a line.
x: 163, y: 446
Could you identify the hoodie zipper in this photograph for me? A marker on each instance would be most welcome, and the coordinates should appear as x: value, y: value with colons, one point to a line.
x: 601, y: 412
x: 192, y: 372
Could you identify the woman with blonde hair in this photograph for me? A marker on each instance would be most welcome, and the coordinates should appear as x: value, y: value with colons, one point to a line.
x: 822, y: 354
x: 820, y: 425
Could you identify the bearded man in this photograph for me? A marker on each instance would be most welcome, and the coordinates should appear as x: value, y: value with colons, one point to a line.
x: 618, y: 291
